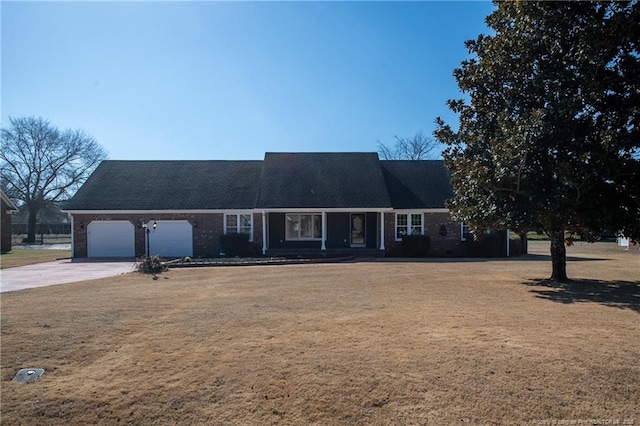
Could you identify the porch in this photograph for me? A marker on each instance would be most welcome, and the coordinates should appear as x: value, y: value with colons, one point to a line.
x: 358, y: 233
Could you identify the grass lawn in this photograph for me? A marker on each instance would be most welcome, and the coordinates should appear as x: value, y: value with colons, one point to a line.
x: 29, y: 257
x: 369, y: 343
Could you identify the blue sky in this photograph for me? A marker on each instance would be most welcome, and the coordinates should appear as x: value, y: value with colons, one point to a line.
x: 232, y: 80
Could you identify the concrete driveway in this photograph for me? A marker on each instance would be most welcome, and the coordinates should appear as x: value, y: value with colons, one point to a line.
x: 59, y: 272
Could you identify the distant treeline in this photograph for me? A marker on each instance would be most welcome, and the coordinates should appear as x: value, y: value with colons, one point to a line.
x: 42, y: 228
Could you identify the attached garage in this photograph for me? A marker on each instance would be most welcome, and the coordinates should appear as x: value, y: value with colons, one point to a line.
x: 171, y: 238
x: 110, y: 238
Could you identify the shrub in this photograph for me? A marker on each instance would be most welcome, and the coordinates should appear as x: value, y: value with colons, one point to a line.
x: 150, y: 265
x: 415, y: 245
x: 489, y: 244
x: 235, y: 245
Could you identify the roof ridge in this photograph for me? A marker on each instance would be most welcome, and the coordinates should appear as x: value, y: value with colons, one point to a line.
x: 321, y: 152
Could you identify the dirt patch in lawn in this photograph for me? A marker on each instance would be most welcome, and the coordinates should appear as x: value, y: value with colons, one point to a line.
x: 358, y: 343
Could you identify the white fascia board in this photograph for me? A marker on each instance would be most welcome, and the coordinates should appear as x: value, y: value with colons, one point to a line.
x: 154, y: 211
x: 325, y: 210
x: 237, y: 211
x: 246, y: 211
x: 420, y: 210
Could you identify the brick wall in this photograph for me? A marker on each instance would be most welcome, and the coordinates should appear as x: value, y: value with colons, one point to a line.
x: 445, y: 245
x: 207, y: 229
x: 392, y: 248
x: 257, y: 232
x: 5, y: 225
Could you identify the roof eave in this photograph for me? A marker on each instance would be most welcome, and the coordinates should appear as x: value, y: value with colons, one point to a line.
x: 11, y: 207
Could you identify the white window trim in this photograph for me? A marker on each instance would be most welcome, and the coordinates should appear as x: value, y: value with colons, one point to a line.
x: 410, y: 227
x: 237, y: 215
x: 286, y: 237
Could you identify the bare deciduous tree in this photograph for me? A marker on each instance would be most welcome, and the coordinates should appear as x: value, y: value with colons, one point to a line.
x: 39, y: 164
x: 416, y: 147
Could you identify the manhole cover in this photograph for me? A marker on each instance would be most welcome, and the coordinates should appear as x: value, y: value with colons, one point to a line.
x: 28, y: 375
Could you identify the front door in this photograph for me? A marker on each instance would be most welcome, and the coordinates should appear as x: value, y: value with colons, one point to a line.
x: 358, y: 230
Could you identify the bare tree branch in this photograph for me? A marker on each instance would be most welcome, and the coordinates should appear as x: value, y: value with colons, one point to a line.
x: 40, y: 164
x: 416, y: 147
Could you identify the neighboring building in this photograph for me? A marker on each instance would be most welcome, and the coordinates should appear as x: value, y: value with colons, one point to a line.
x: 51, y: 220
x: 6, y: 211
x: 626, y: 242
x: 289, y: 202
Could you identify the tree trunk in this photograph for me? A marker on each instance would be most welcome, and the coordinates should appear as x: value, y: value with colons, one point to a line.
x: 524, y: 243
x: 31, y: 228
x: 558, y: 256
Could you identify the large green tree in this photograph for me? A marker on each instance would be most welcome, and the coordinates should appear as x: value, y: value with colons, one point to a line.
x: 549, y: 134
x: 41, y: 165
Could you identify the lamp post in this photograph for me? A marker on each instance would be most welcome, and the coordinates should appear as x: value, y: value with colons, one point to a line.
x: 145, y: 226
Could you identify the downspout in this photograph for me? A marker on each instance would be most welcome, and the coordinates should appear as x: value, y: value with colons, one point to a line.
x: 508, y: 248
x: 382, y: 231
x: 264, y: 232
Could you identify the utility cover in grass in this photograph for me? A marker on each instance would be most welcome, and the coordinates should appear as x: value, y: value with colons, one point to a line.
x: 28, y: 375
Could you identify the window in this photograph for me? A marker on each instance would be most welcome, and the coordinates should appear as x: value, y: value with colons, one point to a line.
x: 303, y: 226
x: 409, y: 224
x: 239, y: 223
x: 465, y: 232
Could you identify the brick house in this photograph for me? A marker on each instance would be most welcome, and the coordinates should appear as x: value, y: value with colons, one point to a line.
x: 288, y: 202
x: 7, y: 209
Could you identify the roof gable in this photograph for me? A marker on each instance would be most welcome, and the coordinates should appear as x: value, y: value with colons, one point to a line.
x: 322, y: 180
x: 420, y: 184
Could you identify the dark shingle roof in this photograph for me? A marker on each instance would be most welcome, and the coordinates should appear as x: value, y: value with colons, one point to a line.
x: 417, y: 184
x: 169, y: 185
x: 282, y: 180
x: 322, y: 180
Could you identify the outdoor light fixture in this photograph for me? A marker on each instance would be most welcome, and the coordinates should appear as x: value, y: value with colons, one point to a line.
x: 145, y: 226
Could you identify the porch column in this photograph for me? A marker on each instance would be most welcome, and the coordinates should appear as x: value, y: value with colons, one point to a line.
x: 381, y: 230
x: 324, y: 231
x: 264, y: 232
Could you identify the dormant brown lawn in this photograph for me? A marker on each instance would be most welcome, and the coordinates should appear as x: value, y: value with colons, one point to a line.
x: 29, y: 257
x: 482, y: 342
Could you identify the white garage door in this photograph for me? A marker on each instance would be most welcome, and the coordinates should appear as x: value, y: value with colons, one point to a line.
x: 171, y: 238
x: 110, y: 238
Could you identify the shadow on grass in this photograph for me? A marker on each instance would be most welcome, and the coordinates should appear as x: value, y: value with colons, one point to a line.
x: 617, y: 294
x: 522, y: 258
x: 547, y: 258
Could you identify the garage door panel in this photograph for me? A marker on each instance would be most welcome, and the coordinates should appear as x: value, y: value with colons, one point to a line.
x: 110, y: 238
x: 171, y: 238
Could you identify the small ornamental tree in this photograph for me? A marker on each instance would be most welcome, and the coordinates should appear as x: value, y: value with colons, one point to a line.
x: 549, y: 136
